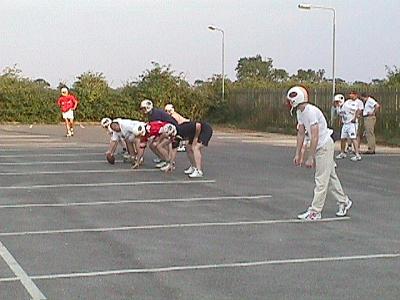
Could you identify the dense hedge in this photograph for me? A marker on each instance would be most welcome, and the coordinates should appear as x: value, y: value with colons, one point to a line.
x: 256, y: 105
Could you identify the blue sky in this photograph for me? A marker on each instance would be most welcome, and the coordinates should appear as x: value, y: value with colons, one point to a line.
x: 60, y: 39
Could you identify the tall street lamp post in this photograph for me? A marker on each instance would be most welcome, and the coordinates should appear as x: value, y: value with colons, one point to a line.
x: 214, y: 28
x: 309, y: 7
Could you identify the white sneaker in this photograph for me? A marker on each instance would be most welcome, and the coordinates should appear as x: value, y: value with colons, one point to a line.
x: 156, y: 160
x: 310, y: 215
x: 127, y: 158
x: 69, y: 134
x: 189, y: 170
x: 181, y: 148
x: 341, y: 155
x: 356, y: 158
x: 141, y: 160
x: 168, y: 167
x: 344, y: 207
x: 72, y: 132
x: 196, y: 174
x: 161, y: 164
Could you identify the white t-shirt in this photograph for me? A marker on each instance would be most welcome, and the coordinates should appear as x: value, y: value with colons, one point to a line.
x: 312, y: 115
x: 360, y: 104
x: 128, y: 127
x: 116, y: 136
x: 348, y: 111
x: 369, y: 106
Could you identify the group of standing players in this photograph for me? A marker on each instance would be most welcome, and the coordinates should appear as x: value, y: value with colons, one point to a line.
x: 164, y: 131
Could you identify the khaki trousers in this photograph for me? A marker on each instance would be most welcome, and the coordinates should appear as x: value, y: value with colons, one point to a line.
x: 369, y: 124
x: 326, y: 180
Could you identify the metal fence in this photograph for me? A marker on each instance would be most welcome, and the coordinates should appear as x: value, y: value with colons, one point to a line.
x: 266, y: 109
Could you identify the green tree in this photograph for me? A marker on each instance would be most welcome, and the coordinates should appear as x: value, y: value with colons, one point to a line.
x: 309, y: 76
x: 393, y: 76
x: 280, y: 75
x: 42, y: 82
x: 92, y: 91
x: 23, y: 100
x: 254, y: 68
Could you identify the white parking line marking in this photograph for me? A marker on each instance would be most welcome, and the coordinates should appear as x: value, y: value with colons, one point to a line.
x: 27, y: 282
x: 215, y: 266
x: 168, y: 226
x: 32, y: 163
x: 78, y: 172
x: 134, y: 201
x: 75, y: 185
x: 22, y: 136
x: 53, y: 155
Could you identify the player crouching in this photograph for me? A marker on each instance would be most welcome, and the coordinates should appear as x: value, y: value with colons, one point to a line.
x: 127, y: 130
x: 159, y: 135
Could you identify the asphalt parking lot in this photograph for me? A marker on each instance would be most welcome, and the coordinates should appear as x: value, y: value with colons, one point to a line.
x: 74, y: 227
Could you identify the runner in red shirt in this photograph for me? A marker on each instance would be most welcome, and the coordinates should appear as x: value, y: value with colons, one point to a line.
x: 67, y: 103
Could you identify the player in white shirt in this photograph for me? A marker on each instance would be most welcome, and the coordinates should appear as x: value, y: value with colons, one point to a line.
x: 105, y: 123
x: 371, y: 106
x: 321, y: 151
x: 354, y: 95
x: 128, y: 130
x: 349, y: 113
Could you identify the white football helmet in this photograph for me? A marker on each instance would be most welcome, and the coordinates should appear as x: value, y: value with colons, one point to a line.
x: 64, y: 91
x: 140, y: 130
x: 147, y: 105
x: 339, y: 98
x: 169, y: 129
x: 105, y: 122
x: 169, y: 108
x: 295, y: 96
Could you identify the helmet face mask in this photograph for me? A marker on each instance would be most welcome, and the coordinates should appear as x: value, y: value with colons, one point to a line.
x: 169, y: 129
x: 64, y: 91
x: 146, y: 105
x: 105, y: 122
x: 169, y: 108
x: 339, y: 99
x: 296, y: 96
x: 140, y: 130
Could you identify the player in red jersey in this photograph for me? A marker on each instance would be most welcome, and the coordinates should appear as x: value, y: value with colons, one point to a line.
x: 67, y: 103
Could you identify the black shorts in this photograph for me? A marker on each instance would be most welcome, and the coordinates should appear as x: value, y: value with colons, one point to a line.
x: 205, y: 134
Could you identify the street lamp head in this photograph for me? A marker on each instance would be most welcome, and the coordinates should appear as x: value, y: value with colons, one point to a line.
x: 212, y: 27
x: 304, y: 6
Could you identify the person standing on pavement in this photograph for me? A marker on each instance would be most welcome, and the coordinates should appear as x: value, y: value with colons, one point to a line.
x: 349, y: 112
x: 320, y: 157
x: 371, y: 106
x: 359, y: 121
x: 68, y: 104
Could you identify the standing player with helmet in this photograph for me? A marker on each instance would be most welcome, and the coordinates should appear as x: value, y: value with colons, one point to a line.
x: 67, y: 103
x: 321, y: 151
x: 349, y: 114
